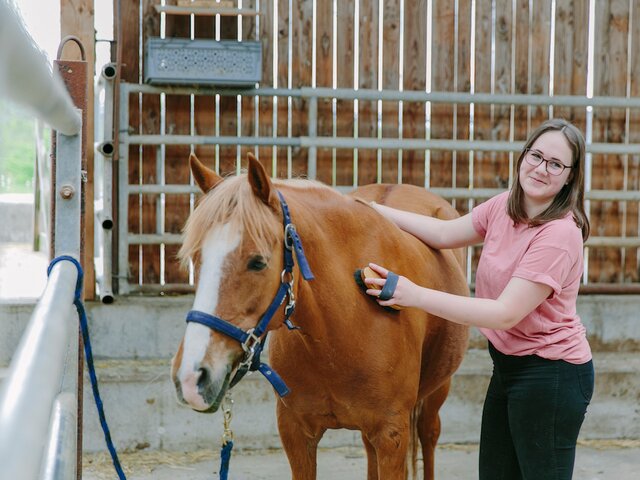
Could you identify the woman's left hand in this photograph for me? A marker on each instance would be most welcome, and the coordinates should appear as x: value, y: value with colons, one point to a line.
x: 404, y: 294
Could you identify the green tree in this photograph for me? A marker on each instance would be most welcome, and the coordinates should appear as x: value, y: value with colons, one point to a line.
x: 17, y: 149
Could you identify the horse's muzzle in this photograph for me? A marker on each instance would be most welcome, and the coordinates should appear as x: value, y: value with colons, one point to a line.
x: 201, y: 390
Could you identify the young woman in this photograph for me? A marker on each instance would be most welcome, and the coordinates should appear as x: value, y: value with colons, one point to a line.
x: 525, y: 304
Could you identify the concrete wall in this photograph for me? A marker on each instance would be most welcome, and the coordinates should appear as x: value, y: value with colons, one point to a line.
x: 134, y: 339
x: 16, y: 218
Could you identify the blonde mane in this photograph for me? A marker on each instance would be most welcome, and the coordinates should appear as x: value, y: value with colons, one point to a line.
x: 232, y: 201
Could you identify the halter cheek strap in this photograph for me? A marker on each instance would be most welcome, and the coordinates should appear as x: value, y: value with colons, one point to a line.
x: 250, y: 339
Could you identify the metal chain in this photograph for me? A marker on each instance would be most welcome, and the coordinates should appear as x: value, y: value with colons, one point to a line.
x: 227, y: 404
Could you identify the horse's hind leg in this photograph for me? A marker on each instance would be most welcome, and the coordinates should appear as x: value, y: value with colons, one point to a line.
x: 429, y: 427
x: 301, y: 448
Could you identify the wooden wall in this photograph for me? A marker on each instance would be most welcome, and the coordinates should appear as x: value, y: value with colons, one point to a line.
x: 481, y: 46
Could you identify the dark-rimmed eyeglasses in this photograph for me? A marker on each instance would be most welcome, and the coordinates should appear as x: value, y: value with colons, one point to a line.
x: 535, y: 158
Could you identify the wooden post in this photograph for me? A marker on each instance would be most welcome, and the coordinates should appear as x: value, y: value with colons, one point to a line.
x: 76, y: 18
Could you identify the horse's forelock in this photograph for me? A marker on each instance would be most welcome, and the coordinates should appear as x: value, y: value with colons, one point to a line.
x: 232, y: 201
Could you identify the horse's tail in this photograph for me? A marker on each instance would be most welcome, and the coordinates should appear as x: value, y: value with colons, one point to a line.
x: 414, y: 442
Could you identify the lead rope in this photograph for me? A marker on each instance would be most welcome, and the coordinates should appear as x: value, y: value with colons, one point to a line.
x: 82, y: 315
x: 227, y: 436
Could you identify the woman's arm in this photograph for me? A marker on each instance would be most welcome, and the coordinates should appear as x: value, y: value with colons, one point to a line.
x: 435, y: 232
x: 519, y: 298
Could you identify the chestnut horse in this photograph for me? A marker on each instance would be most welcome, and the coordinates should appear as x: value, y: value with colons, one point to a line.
x: 347, y: 363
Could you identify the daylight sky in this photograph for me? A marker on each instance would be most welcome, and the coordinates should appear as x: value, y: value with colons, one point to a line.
x: 42, y: 18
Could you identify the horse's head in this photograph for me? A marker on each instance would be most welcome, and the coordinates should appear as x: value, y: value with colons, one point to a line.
x: 234, y: 238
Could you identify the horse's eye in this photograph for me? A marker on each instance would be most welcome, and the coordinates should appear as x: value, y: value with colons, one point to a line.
x: 257, y: 263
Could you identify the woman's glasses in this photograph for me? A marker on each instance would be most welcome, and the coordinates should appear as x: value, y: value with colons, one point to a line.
x: 535, y: 158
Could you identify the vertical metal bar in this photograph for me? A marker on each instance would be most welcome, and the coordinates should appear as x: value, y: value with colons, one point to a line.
x: 103, y: 181
x: 334, y: 85
x: 356, y: 82
x: 67, y: 204
x: 274, y: 80
x: 290, y: 86
x: 400, y: 88
x: 312, y: 163
x: 312, y: 127
x: 589, y: 128
x: 427, y: 87
x: 123, y: 192
x: 472, y: 86
x: 380, y: 87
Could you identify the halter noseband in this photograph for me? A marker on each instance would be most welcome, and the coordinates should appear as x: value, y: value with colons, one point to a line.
x: 250, y: 339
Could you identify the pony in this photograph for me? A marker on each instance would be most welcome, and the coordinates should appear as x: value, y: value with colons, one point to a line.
x: 344, y: 361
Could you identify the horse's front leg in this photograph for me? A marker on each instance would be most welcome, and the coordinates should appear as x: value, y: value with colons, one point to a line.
x: 300, y: 443
x: 390, y: 441
x: 372, y: 459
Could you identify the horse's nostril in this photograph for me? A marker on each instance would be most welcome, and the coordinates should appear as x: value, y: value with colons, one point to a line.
x: 203, y: 379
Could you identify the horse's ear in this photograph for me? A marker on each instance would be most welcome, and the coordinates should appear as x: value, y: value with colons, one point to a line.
x: 260, y: 182
x: 204, y: 177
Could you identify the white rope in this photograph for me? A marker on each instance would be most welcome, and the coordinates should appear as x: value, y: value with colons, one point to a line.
x: 27, y: 78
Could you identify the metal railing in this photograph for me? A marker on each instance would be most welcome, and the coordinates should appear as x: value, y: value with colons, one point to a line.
x: 38, y: 399
x: 312, y: 142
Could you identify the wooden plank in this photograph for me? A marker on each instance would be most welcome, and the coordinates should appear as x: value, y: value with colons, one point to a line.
x: 205, y: 11
x: 413, y: 114
x: 265, y: 105
x: 150, y: 123
x: 249, y: 107
x: 368, y: 78
x: 76, y: 18
x: 301, y: 56
x: 631, y: 269
x: 611, y: 37
x: 324, y: 78
x: 462, y: 84
x: 128, y: 26
x: 571, y: 54
x: 484, y: 172
x: 390, y: 80
x: 539, y: 74
x: 521, y: 40
x: 275, y: 44
x: 204, y: 121
x: 344, y: 70
x: 176, y: 170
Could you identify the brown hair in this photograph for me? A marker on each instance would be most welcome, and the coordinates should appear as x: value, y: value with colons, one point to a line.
x: 571, y: 197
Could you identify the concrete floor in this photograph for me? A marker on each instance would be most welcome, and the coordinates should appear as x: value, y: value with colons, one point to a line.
x: 596, y: 460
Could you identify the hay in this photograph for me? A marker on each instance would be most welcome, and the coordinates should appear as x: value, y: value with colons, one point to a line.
x: 99, y: 465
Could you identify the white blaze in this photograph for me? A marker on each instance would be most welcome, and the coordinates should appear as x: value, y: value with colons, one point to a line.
x: 218, y: 244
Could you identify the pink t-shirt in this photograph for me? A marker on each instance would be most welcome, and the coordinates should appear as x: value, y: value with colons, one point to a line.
x: 550, y: 254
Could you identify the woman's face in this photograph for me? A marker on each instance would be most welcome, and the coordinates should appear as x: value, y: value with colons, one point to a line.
x: 540, y: 187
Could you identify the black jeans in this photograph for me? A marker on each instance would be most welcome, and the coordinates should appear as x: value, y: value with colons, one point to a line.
x: 532, y: 416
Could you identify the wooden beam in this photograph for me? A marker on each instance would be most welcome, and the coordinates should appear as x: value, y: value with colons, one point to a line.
x: 77, y: 18
x: 208, y: 11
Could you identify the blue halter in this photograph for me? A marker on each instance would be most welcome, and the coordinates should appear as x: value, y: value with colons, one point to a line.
x: 250, y: 339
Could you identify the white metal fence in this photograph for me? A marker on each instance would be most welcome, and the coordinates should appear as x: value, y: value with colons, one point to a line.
x: 312, y: 142
x: 38, y: 399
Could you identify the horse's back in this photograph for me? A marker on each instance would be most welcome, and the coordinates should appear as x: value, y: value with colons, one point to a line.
x: 413, y: 199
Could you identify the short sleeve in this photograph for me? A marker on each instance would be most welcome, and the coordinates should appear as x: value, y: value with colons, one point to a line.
x: 545, y: 264
x: 481, y: 214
